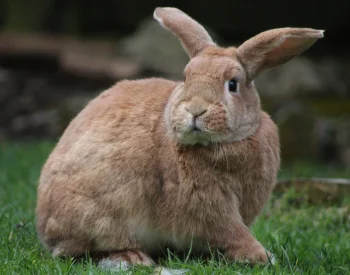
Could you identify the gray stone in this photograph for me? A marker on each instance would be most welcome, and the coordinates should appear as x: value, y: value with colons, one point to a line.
x: 156, y: 48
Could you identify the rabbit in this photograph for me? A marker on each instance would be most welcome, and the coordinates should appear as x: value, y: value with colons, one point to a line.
x: 151, y: 164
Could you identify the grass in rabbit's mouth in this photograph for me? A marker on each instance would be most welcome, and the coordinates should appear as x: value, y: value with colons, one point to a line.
x: 305, y: 239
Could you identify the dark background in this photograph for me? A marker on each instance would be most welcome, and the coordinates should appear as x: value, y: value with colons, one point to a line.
x: 55, y: 55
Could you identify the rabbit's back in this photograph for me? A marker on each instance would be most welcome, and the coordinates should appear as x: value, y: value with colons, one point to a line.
x: 111, y: 141
x: 118, y: 109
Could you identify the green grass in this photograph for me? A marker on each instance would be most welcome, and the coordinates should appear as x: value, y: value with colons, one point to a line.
x: 306, y: 239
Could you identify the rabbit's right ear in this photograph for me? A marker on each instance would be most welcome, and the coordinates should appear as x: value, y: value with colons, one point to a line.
x: 194, y: 38
x: 275, y: 47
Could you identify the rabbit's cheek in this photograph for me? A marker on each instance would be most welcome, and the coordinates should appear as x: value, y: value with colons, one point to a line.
x: 234, y: 110
x: 181, y: 120
x: 215, y: 121
x: 217, y: 125
x: 178, y: 126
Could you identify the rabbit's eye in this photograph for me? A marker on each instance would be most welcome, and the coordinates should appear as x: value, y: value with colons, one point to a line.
x: 231, y: 86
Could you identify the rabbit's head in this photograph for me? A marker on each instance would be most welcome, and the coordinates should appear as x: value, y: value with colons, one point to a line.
x: 218, y: 101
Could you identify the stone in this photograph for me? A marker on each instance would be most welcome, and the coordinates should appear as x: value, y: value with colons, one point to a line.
x: 157, y: 49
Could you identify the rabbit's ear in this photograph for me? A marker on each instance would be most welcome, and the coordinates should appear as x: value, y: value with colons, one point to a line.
x: 275, y: 47
x: 194, y: 38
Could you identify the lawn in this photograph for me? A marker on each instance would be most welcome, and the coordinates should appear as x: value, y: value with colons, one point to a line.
x: 305, y: 239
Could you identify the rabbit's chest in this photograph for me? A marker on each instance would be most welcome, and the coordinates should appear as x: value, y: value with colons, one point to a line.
x: 210, y: 196
x: 200, y: 198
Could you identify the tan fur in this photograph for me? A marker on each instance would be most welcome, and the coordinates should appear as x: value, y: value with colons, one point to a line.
x: 275, y: 47
x: 193, y: 37
x: 129, y: 173
x: 117, y: 261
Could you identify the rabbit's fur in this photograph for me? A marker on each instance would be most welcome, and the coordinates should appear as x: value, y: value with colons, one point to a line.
x: 132, y: 175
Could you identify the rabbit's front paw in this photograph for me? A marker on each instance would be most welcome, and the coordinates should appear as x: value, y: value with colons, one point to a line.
x: 254, y: 254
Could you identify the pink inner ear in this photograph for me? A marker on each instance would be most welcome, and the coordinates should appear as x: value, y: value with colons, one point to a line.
x: 290, y: 47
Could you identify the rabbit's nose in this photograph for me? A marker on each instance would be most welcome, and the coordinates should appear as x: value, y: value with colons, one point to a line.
x: 196, y: 112
x: 196, y: 107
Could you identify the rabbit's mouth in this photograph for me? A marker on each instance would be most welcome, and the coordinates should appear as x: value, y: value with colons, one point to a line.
x: 195, y: 128
x: 194, y: 135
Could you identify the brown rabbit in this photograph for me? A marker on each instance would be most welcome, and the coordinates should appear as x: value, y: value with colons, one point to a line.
x: 154, y: 164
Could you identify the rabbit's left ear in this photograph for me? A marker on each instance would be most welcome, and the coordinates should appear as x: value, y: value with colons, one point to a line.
x: 194, y: 38
x: 275, y: 47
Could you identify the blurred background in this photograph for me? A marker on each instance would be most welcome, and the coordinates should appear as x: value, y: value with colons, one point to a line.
x: 55, y: 55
